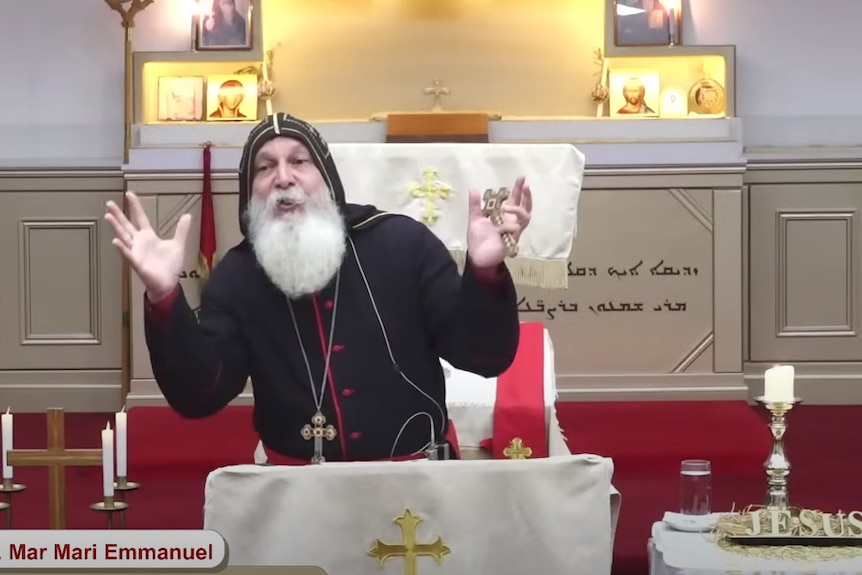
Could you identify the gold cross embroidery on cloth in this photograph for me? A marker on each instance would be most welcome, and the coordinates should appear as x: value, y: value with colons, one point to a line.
x: 517, y: 450
x: 429, y: 190
x: 408, y: 548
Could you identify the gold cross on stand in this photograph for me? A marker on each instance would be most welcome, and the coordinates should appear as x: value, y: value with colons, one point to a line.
x: 430, y: 190
x: 56, y: 458
x: 318, y: 430
x: 408, y: 548
x: 517, y: 450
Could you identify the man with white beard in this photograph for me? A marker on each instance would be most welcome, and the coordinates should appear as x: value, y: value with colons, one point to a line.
x: 339, y: 313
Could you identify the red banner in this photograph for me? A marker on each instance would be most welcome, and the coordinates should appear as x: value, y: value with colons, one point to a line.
x: 207, y: 253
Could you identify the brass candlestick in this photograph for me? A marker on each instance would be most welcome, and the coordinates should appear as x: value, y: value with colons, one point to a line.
x: 111, y: 507
x: 10, y: 488
x: 123, y: 485
x: 777, y: 465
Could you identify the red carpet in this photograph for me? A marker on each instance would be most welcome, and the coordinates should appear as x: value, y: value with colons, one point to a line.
x: 171, y: 458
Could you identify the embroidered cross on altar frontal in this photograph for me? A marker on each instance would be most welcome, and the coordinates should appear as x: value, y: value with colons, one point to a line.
x: 318, y: 431
x: 409, y: 548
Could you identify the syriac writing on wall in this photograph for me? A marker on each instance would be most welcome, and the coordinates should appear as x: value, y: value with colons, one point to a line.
x: 660, y: 270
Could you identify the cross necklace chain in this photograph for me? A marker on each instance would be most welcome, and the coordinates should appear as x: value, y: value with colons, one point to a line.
x: 318, y: 430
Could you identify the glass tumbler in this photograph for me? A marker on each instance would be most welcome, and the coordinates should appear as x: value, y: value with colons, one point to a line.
x: 695, y: 487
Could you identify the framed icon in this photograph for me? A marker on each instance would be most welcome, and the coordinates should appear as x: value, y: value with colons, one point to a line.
x: 707, y: 97
x: 223, y: 25
x: 232, y: 98
x: 646, y: 22
x: 634, y: 93
x: 181, y: 98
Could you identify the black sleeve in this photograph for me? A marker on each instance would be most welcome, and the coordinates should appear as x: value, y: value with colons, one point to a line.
x: 473, y: 323
x: 200, y: 362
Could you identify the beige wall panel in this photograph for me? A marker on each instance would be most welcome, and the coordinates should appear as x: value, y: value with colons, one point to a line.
x: 60, y: 305
x: 805, y: 292
x: 640, y: 292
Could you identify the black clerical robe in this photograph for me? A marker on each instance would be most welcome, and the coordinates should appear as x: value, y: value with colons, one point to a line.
x: 244, y: 329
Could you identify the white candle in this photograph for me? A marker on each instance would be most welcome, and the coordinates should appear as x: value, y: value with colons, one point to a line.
x: 108, y: 461
x: 778, y: 383
x: 6, y: 419
x: 120, y: 424
x: 673, y: 26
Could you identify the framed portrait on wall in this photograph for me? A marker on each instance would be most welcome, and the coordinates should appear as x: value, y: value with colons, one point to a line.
x: 634, y: 93
x: 223, y: 25
x: 181, y: 98
x: 232, y: 98
x: 647, y: 22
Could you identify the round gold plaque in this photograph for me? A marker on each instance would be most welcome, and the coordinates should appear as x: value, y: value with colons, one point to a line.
x: 706, y: 97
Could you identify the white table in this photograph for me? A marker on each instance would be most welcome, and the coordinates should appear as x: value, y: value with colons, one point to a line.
x: 676, y: 553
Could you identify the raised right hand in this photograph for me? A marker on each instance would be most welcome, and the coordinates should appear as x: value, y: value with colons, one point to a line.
x: 157, y: 262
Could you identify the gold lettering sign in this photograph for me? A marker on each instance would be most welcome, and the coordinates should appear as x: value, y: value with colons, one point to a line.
x: 791, y: 526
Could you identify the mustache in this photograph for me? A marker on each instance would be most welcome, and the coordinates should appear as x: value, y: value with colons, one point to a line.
x: 290, y: 196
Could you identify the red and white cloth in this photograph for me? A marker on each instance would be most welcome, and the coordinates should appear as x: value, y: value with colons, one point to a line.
x: 517, y: 409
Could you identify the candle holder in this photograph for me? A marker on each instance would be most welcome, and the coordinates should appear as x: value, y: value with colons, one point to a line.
x: 9, y: 488
x: 777, y: 465
x: 123, y: 485
x: 111, y: 507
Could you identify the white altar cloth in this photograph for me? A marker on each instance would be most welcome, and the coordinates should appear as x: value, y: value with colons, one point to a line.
x: 431, y: 183
x: 678, y: 553
x: 547, y: 515
x: 470, y: 399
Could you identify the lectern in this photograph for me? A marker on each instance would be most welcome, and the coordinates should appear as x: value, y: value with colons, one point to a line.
x: 430, y: 127
x: 549, y: 515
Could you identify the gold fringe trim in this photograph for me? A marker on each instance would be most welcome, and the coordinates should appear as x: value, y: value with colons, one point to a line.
x: 529, y: 272
x: 737, y: 524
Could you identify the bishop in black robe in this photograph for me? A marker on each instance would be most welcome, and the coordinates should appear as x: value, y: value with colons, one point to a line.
x: 396, y: 305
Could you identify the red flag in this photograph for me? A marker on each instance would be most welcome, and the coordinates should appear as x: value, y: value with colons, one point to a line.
x: 207, y: 254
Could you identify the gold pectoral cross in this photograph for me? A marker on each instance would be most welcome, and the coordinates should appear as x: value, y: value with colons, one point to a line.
x: 318, y: 431
x: 492, y: 205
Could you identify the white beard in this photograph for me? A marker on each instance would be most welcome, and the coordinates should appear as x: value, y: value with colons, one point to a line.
x: 299, y: 251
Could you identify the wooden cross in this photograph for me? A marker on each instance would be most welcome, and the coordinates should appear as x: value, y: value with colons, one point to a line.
x: 492, y: 205
x: 437, y: 89
x: 318, y: 430
x: 56, y: 458
x: 517, y: 450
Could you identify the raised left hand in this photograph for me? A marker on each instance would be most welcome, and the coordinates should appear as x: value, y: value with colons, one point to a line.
x: 485, y: 246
